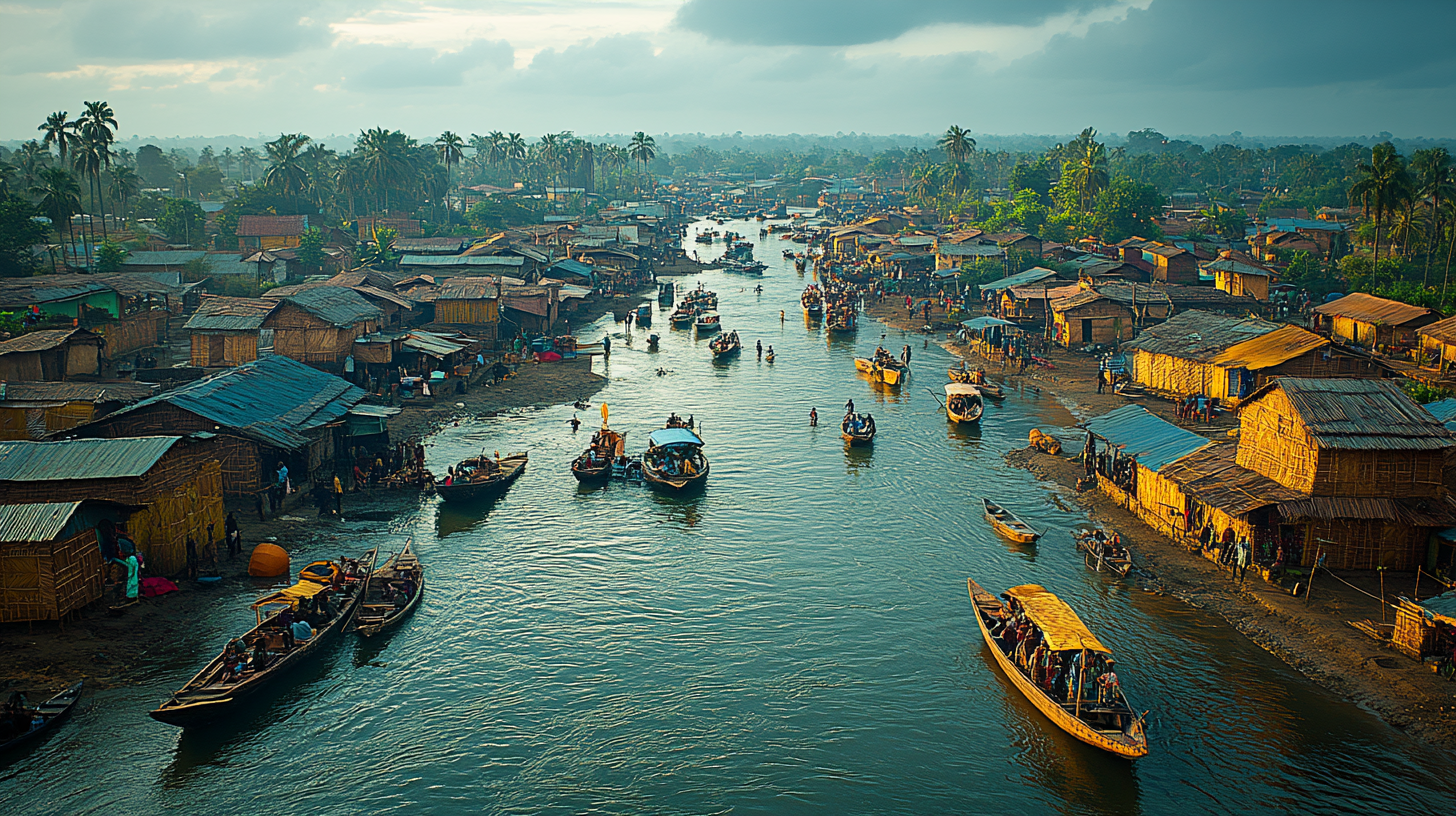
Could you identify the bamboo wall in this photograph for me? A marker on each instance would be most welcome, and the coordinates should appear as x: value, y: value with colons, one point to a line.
x: 1177, y: 376
x: 139, y: 330
x: 307, y: 339
x: 160, y: 529
x: 50, y: 579
x: 247, y: 466
x: 82, y: 358
x: 1364, y: 544
x: 480, y: 312
x: 22, y: 367
x: 1273, y: 442
x: 223, y: 348
x: 1382, y: 473
x: 36, y: 423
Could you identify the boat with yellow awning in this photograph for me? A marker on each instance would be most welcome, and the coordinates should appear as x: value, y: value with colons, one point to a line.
x: 1060, y: 667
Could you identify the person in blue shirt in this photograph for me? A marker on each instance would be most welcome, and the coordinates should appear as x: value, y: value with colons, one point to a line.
x: 301, y: 631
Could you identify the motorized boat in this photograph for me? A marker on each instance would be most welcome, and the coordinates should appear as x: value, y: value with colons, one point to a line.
x: 40, y: 719
x: 666, y: 292
x: 683, y: 317
x: 707, y: 321
x: 1008, y: 524
x: 595, y: 463
x: 1076, y: 697
x: 269, y: 652
x: 393, y: 594
x: 963, y: 402
x: 858, y: 429
x: 481, y: 477
x: 725, y: 345
x: 674, y: 460
x: 1102, y: 551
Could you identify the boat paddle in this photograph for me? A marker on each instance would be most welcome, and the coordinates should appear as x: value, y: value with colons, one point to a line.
x: 937, y: 397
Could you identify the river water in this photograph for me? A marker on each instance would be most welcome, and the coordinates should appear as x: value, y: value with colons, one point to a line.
x: 795, y: 639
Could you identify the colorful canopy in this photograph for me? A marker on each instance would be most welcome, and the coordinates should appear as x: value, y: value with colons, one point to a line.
x: 1061, y: 626
x: 300, y: 590
x: 667, y: 437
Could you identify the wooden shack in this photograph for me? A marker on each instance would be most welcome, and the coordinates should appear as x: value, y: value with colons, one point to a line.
x: 1171, y: 264
x: 35, y: 410
x: 1374, y: 322
x: 473, y: 302
x: 1240, y: 278
x: 1421, y: 632
x: 1090, y: 317
x: 318, y: 325
x: 165, y: 488
x: 51, y: 355
x: 50, y: 566
x: 260, y: 232
x: 228, y: 331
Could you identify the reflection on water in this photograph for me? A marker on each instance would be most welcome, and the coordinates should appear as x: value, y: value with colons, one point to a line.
x: 796, y: 637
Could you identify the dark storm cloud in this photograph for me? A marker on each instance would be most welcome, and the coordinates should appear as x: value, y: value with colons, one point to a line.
x: 1252, y: 45
x: 393, y: 67
x: 107, y: 31
x: 854, y: 22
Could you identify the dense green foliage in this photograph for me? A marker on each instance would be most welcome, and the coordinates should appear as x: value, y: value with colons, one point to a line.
x: 18, y: 233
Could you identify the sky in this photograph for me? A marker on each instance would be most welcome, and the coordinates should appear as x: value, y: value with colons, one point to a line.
x: 261, y: 67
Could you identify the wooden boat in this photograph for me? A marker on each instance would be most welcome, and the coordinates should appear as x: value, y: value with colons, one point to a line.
x: 1006, y: 523
x: 674, y: 460
x: 1104, y: 552
x: 1110, y: 724
x: 665, y: 293
x: 44, y: 718
x: 644, y: 315
x: 889, y: 371
x: 840, y: 321
x: 703, y: 238
x: 380, y: 610
x: 725, y: 345
x: 683, y: 317
x: 216, y: 690
x: 988, y: 389
x: 707, y: 322
x: 963, y: 402
x: 481, y: 477
x: 813, y: 302
x: 595, y: 463
x: 858, y: 429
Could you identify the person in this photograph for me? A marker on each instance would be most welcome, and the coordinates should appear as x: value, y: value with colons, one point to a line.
x: 781, y: 315
x: 1242, y: 552
x: 259, y: 659
x: 133, y: 569
x: 338, y: 496
x: 770, y: 351
x: 192, y: 560
x: 759, y: 344
x: 606, y: 345
x: 1107, y: 685
x: 1101, y: 380
x: 232, y: 660
x: 813, y: 417
x: 575, y: 423
x: 233, y: 535
x: 283, y: 478
x: 301, y: 631
x: 849, y: 407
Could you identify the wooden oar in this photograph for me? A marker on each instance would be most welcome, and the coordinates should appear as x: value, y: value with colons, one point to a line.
x: 937, y: 397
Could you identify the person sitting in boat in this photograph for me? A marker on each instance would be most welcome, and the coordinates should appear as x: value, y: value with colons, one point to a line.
x: 232, y: 660
x: 1107, y: 685
x: 17, y: 713
x: 258, y: 661
x: 301, y: 631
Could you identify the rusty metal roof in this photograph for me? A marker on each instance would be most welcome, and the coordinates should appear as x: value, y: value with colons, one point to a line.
x: 35, y: 522
x: 46, y: 340
x: 258, y: 226
x: 231, y: 314
x: 1350, y: 414
x: 1199, y: 336
x: 1371, y: 309
x: 123, y: 458
x: 12, y: 393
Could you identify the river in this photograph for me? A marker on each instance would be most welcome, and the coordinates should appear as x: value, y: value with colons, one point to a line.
x: 795, y: 639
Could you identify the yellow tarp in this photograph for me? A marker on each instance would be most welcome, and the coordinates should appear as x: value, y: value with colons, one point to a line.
x: 300, y: 590
x: 1278, y: 346
x: 1061, y: 626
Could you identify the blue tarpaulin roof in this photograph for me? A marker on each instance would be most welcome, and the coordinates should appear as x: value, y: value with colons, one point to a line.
x: 1153, y: 440
x: 986, y: 322
x: 572, y: 267
x: 673, y: 436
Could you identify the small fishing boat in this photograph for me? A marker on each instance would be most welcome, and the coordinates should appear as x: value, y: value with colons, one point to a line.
x: 703, y: 238
x: 963, y: 402
x: 236, y: 675
x: 840, y: 321
x: 1104, y: 552
x: 1007, y: 524
x: 725, y: 345
x: 674, y: 460
x: 988, y: 389
x: 393, y: 593
x: 644, y: 314
x: 595, y: 463
x: 41, y: 719
x: 886, y: 370
x: 788, y: 254
x: 707, y: 322
x: 683, y: 317
x: 1102, y: 718
x: 813, y: 302
x: 481, y: 477
x: 665, y: 293
x: 858, y: 429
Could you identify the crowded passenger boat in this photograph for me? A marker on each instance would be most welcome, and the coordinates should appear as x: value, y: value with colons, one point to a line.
x: 674, y: 459
x: 813, y: 301
x: 707, y: 321
x: 963, y: 403
x: 858, y: 429
x: 481, y: 477
x: 883, y: 367
x: 1102, y: 551
x: 725, y: 345
x: 595, y: 463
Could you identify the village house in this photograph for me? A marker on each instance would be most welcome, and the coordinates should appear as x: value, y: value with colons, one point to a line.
x: 403, y: 227
x: 1090, y: 317
x: 256, y: 415
x: 1171, y: 264
x: 162, y: 490
x: 50, y: 562
x: 129, y: 311
x: 470, y: 302
x: 263, y: 232
x: 1015, y: 241
x: 1374, y: 323
x: 318, y: 324
x: 35, y: 410
x: 1239, y: 275
x: 952, y: 255
x: 228, y: 331
x: 1438, y: 345
x: 529, y: 308
x: 52, y: 355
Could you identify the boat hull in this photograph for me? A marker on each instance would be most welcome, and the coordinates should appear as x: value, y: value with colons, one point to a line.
x: 54, y: 711
x: 1121, y: 745
x: 1020, y: 532
x: 463, y: 493
x: 674, y: 484
x: 598, y: 474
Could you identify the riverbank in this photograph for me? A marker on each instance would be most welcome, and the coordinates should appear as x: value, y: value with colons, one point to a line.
x: 1313, y: 636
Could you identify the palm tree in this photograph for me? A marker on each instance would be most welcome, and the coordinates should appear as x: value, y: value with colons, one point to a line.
x: 124, y: 184
x: 1383, y: 186
x: 643, y: 149
x: 923, y: 181
x: 7, y: 178
x: 1433, y: 178
x: 957, y: 144
x: 97, y: 126
x: 226, y: 161
x: 248, y: 159
x: 287, y: 176
x: 1087, y: 167
x: 515, y: 151
x: 451, y: 149
x: 60, y: 132
x: 91, y: 156
x: 59, y: 197
x: 31, y: 158
x: 385, y: 160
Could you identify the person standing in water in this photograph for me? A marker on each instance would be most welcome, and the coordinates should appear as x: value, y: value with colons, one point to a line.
x: 813, y: 417
x: 760, y: 349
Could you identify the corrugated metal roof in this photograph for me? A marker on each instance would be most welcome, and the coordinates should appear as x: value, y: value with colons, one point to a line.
x: 272, y: 400
x: 1444, y: 411
x: 46, y: 339
x: 171, y: 257
x: 1153, y: 440
x: 1199, y: 336
x: 1371, y: 309
x: 1226, y: 265
x: 341, y: 306
x: 1293, y: 224
x: 468, y: 289
x: 60, y: 392
x: 1348, y: 414
x: 1030, y: 276
x: 461, y: 260
x: 1279, y: 346
x: 970, y: 250
x: 35, y: 522
x: 123, y: 458
x: 231, y: 314
x: 47, y: 289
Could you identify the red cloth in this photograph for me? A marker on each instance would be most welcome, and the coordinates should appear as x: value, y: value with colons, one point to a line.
x: 548, y: 356
x: 152, y: 587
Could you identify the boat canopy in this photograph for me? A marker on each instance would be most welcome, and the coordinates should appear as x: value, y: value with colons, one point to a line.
x: 667, y: 437
x: 961, y: 389
x: 1061, y: 626
x: 300, y: 590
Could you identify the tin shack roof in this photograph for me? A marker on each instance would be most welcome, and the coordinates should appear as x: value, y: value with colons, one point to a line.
x: 337, y: 305
x: 1153, y: 440
x: 1349, y: 414
x: 273, y: 400
x: 20, y: 394
x: 231, y: 314
x: 1371, y: 309
x: 1199, y: 336
x: 123, y: 458
x: 34, y: 522
x: 47, y: 339
x: 1030, y: 276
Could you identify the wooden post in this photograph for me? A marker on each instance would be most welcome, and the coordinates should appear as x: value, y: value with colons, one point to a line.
x: 1383, y: 605
x: 1081, y: 674
x: 1309, y: 587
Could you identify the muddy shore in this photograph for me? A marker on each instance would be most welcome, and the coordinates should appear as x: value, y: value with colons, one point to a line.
x: 1313, y: 635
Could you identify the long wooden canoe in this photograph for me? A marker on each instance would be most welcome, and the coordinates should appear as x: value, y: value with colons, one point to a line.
x: 1006, y: 523
x: 1112, y: 725
x: 51, y: 714
x: 1102, y: 554
x: 376, y: 614
x: 486, y: 478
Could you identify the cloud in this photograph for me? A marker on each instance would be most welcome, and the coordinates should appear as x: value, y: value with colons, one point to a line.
x: 856, y: 22
x: 156, y: 31
x: 392, y: 67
